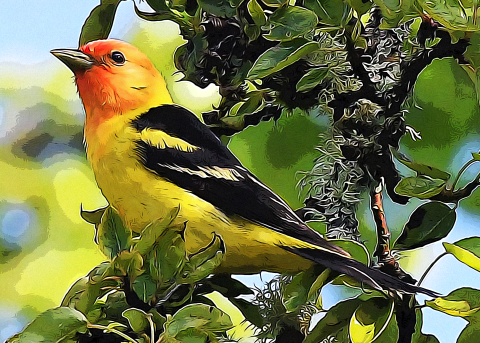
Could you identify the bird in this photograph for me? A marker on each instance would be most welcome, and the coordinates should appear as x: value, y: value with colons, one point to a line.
x: 150, y: 155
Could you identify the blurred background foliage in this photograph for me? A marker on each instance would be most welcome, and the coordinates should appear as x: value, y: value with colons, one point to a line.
x: 45, y: 245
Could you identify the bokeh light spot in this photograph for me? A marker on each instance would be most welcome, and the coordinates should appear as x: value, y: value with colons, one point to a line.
x: 14, y: 224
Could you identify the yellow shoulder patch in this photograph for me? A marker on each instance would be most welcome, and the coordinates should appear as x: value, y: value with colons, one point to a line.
x: 207, y: 172
x: 162, y: 140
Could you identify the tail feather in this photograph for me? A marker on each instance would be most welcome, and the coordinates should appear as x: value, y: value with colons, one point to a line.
x: 372, y: 277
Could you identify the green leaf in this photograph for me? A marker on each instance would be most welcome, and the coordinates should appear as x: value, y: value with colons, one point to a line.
x: 422, y: 187
x: 370, y: 319
x: 157, y: 318
x: 281, y: 56
x: 92, y: 217
x: 221, y: 8
x: 395, y: 12
x: 357, y: 250
x: 60, y: 324
x: 452, y: 14
x: 168, y: 256
x: 203, y: 263
x: 476, y: 156
x: 288, y: 22
x: 137, y: 319
x: 192, y: 335
x: 251, y: 105
x: 113, y: 235
x: 296, y: 292
x: 152, y: 232
x: 145, y: 287
x: 466, y: 250
x: 421, y: 169
x: 336, y: 319
x: 99, y: 22
x: 256, y: 12
x: 127, y: 263
x: 330, y: 12
x: 470, y: 333
x: 429, y: 223
x: 462, y: 302
x: 312, y: 79
x: 75, y: 290
x: 198, y: 316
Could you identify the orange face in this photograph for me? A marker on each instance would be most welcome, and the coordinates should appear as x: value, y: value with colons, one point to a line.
x: 120, y: 79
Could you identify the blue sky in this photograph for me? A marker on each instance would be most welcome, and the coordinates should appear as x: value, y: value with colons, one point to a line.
x: 30, y: 29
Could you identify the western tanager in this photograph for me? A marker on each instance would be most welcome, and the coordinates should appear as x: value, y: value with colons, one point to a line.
x: 149, y: 156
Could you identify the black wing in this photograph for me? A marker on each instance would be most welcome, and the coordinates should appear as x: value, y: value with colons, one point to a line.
x: 214, y: 174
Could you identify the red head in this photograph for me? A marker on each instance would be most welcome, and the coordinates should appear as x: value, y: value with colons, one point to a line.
x: 114, y: 78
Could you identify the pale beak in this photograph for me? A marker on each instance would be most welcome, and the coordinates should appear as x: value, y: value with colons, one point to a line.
x: 74, y: 59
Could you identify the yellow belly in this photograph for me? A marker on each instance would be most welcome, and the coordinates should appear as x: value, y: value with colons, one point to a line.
x: 141, y: 197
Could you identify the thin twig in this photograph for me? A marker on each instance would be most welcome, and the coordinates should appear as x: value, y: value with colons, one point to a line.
x: 430, y: 268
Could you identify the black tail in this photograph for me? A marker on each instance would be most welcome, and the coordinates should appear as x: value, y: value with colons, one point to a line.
x: 372, y: 277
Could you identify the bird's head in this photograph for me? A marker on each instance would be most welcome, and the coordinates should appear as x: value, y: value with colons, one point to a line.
x: 113, y: 78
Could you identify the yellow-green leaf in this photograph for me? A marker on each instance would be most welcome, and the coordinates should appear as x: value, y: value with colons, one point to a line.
x: 466, y: 250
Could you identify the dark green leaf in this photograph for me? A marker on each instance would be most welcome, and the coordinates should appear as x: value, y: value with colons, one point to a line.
x: 198, y: 316
x: 152, y: 232
x: 249, y: 311
x: 252, y: 32
x: 476, y: 156
x: 290, y: 22
x: 221, y: 8
x: 422, y: 187
x: 113, y: 235
x: 203, y: 263
x: 92, y: 217
x: 256, y: 12
x: 421, y: 169
x: 312, y: 79
x: 429, y: 223
x: 158, y: 5
x: 370, y: 319
x: 330, y: 12
x: 227, y: 286
x: 336, y: 319
x: 145, y: 287
x: 99, y: 22
x: 60, y: 324
x: 462, y: 302
x: 137, y: 319
x: 466, y: 250
x: 360, y: 6
x: 274, y: 3
x: 281, y: 56
x: 418, y: 336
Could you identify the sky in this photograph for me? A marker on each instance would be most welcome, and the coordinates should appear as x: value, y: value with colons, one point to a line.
x: 30, y: 29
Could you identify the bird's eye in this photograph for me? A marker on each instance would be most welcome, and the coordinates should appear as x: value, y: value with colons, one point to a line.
x: 117, y: 57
